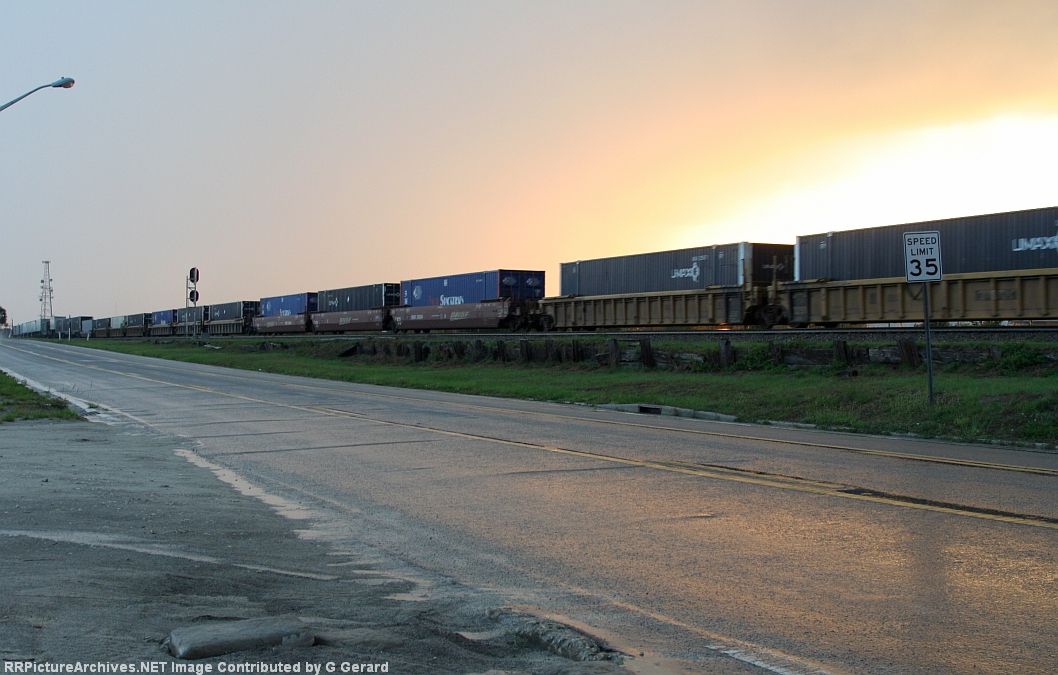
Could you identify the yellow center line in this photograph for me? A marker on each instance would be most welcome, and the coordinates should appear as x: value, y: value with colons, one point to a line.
x: 892, y: 454
x: 764, y: 480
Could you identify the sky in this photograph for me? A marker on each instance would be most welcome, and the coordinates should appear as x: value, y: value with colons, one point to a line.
x: 284, y: 147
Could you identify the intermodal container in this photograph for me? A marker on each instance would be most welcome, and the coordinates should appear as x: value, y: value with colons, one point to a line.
x: 163, y: 317
x: 137, y: 320
x: 192, y: 314
x: 359, y: 298
x: 232, y: 311
x: 100, y: 324
x: 687, y: 269
x: 71, y: 325
x: 288, y: 305
x: 1015, y: 240
x: 87, y: 323
x: 460, y: 289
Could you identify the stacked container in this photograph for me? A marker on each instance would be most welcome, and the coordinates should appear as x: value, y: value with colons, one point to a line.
x: 687, y: 269
x: 163, y: 317
x: 475, y: 287
x: 1019, y: 240
x: 232, y: 318
x: 192, y: 314
x: 100, y: 327
x: 162, y: 322
x: 137, y: 320
x: 357, y: 308
x: 285, y: 313
x: 358, y: 298
x: 288, y: 305
x: 136, y: 325
x: 117, y: 326
x: 233, y: 311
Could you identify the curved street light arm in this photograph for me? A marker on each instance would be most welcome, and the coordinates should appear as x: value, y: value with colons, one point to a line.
x: 64, y: 83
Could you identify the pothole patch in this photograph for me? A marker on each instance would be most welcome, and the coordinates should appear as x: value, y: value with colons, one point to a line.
x: 553, y: 636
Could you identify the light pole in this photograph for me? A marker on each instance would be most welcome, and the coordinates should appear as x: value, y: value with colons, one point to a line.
x: 61, y: 83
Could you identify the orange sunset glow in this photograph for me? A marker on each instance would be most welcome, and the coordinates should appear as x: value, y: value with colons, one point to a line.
x: 392, y: 142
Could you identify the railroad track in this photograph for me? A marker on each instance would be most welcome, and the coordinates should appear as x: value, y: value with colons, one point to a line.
x: 883, y: 333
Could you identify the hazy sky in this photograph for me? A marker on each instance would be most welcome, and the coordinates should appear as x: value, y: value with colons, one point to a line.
x: 296, y: 146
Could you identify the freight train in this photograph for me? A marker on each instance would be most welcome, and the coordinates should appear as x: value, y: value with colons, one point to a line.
x: 997, y: 267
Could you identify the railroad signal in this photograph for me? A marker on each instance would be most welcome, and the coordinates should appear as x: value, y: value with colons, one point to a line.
x: 192, y: 299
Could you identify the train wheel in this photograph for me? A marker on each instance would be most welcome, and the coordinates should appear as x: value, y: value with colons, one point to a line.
x: 770, y: 315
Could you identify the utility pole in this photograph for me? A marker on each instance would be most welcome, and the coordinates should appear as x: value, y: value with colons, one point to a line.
x: 46, y: 295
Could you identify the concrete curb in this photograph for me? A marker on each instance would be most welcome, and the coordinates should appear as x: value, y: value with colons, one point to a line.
x: 667, y: 410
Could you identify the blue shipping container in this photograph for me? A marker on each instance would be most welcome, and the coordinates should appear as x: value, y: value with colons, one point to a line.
x: 164, y: 317
x: 288, y: 305
x: 459, y: 289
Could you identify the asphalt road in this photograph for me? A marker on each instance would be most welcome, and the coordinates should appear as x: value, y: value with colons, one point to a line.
x: 792, y: 550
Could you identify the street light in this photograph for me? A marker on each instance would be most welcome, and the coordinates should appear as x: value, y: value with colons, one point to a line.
x: 61, y: 83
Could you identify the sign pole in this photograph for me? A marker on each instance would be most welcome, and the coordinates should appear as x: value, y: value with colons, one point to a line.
x: 929, y: 341
x: 922, y: 264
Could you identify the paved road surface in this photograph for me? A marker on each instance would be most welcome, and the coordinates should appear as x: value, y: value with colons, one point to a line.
x: 792, y: 550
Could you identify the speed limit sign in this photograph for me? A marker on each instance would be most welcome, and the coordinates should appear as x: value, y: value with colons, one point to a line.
x: 922, y: 256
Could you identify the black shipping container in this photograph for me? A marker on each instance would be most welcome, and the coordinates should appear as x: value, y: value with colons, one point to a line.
x: 196, y: 314
x: 231, y: 311
x: 1016, y: 240
x: 358, y: 298
x: 100, y: 323
x: 679, y: 270
x: 137, y: 320
x: 68, y: 325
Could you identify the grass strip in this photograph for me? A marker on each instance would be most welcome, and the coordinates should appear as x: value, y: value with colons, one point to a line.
x: 19, y: 402
x: 970, y: 405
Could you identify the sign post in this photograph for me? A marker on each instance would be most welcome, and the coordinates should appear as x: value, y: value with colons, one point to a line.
x: 922, y: 265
